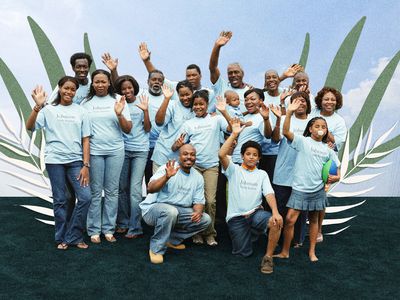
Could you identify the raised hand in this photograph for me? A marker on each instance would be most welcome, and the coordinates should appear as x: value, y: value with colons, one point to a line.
x: 304, y: 88
x: 291, y: 71
x: 286, y: 93
x: 264, y: 111
x: 39, y: 95
x: 144, y: 102
x: 294, y: 105
x: 180, y: 141
x: 236, y: 127
x: 221, y: 103
x: 223, y: 38
x: 167, y: 91
x: 119, y: 105
x: 170, y: 169
x: 276, y: 110
x: 110, y: 62
x: 144, y: 51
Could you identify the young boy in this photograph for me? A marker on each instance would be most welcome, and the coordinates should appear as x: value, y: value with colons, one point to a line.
x: 246, y: 217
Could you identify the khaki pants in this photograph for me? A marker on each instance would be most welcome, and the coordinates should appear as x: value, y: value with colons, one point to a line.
x: 210, y: 191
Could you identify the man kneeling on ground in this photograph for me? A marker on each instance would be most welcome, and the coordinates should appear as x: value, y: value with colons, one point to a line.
x: 246, y: 217
x: 175, y: 205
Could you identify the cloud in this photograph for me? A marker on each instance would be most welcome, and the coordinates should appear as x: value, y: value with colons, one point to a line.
x: 355, y: 97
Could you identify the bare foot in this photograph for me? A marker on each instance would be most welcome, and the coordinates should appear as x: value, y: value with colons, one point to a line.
x: 313, y: 257
x: 281, y: 255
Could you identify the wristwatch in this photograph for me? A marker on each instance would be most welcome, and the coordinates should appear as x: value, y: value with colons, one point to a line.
x: 87, y: 165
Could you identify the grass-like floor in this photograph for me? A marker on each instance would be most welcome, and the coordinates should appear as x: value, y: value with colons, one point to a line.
x: 361, y: 262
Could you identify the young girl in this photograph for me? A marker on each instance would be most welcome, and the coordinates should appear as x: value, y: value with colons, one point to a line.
x: 203, y: 133
x: 136, y: 151
x: 283, y: 174
x: 307, y: 186
x: 67, y: 132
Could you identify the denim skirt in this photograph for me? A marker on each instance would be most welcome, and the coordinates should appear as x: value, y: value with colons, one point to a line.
x: 308, y: 201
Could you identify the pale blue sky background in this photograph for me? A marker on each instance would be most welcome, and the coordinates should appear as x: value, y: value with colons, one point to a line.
x: 267, y: 34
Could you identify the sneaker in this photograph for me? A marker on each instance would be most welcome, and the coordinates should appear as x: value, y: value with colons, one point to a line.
x: 198, y: 239
x: 320, y: 238
x: 210, y: 240
x: 156, y: 258
x: 267, y: 265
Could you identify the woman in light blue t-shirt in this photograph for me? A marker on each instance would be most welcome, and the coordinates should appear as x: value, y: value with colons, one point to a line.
x: 67, y: 132
x: 136, y: 152
x: 328, y: 101
x: 109, y: 117
x: 308, y: 192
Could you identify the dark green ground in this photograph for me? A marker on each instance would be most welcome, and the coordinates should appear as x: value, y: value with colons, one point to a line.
x: 361, y: 262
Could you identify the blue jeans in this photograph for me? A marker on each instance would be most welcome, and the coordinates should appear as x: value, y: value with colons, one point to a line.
x: 69, y: 232
x: 245, y: 230
x: 172, y: 224
x: 104, y: 174
x: 130, y: 191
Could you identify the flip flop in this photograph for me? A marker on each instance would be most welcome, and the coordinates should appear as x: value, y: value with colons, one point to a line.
x: 62, y: 246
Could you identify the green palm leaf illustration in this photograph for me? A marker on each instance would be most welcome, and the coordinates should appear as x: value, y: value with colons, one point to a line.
x: 18, y: 97
x: 86, y: 46
x: 372, y: 102
x: 385, y: 147
x: 341, y: 62
x: 49, y: 56
x: 304, y: 53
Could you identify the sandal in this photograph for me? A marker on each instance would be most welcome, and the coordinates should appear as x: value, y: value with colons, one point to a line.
x: 110, y: 238
x: 82, y: 245
x: 62, y: 246
x: 95, y: 239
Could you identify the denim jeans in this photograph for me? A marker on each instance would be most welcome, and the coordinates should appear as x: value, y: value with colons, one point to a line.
x: 71, y: 231
x: 104, y: 175
x: 172, y: 224
x: 130, y: 191
x: 245, y: 230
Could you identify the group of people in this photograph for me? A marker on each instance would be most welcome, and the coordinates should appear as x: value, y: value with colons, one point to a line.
x: 104, y: 135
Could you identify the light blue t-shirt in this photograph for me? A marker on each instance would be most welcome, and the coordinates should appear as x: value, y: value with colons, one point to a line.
x: 336, y: 126
x: 221, y: 86
x: 307, y: 174
x: 80, y: 95
x: 175, y: 116
x: 65, y: 126
x: 106, y: 131
x: 138, y: 138
x: 203, y: 134
x: 234, y: 112
x: 283, y: 174
x: 180, y: 190
x: 154, y: 104
x: 255, y: 133
x: 245, y: 189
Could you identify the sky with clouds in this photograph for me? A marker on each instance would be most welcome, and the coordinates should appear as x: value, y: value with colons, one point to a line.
x: 266, y: 35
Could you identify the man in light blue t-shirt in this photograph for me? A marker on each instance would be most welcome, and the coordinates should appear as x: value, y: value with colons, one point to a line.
x: 235, y: 72
x: 175, y: 204
x: 246, y: 218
